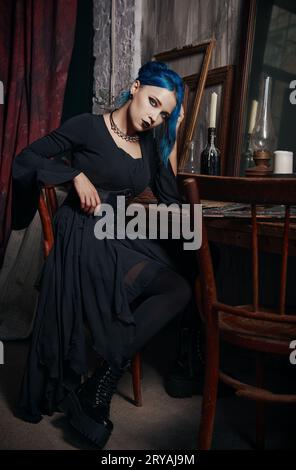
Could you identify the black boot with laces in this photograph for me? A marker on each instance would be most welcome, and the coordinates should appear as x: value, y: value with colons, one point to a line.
x: 187, y: 375
x: 88, y: 408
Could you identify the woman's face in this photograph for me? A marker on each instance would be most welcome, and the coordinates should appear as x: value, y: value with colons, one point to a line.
x: 150, y: 106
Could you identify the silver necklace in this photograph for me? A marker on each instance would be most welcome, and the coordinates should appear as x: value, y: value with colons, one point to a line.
x: 119, y: 132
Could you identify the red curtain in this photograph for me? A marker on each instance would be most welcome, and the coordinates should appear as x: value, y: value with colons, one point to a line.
x: 36, y: 42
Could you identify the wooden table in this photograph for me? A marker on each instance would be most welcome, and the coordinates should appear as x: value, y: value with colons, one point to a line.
x: 237, y: 232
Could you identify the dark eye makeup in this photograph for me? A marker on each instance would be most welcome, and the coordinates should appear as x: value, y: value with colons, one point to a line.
x: 165, y: 116
x: 153, y: 103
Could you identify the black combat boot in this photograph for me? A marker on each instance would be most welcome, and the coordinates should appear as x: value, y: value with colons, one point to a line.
x: 88, y: 408
x: 187, y: 375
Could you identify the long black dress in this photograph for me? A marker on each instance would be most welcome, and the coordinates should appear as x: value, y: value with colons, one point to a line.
x: 84, y: 278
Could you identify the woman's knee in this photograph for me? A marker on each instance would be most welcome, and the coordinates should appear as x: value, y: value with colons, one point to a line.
x: 179, y: 291
x: 174, y: 287
x: 184, y: 292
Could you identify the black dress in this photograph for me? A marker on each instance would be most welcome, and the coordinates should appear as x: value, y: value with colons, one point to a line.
x: 84, y: 279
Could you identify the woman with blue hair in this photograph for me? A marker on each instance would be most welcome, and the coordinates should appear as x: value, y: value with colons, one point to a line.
x: 126, y: 290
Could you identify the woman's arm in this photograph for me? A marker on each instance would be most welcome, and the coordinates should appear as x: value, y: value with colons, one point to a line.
x: 34, y: 164
x: 33, y: 167
x: 173, y: 154
x: 173, y: 158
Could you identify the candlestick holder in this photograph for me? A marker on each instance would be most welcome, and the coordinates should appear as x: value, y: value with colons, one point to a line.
x: 263, y: 138
x: 262, y: 160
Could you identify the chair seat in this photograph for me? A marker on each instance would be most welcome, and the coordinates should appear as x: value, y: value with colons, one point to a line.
x: 264, y: 331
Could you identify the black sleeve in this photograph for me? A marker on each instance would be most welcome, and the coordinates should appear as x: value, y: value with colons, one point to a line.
x: 38, y: 164
x: 163, y: 180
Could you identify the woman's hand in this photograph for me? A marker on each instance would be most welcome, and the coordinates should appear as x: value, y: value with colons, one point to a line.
x: 180, y: 118
x: 88, y: 195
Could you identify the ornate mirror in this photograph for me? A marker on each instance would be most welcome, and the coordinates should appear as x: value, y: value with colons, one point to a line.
x: 268, y: 48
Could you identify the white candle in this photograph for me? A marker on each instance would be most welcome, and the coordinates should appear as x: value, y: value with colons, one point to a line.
x: 253, y: 116
x: 213, y: 110
x: 283, y: 162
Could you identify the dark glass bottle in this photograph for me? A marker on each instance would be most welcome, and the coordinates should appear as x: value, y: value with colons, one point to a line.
x: 210, y: 156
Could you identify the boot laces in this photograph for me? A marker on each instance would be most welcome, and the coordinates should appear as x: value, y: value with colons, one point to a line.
x: 106, y: 387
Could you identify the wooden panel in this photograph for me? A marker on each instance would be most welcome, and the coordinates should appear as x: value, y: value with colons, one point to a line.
x: 174, y: 23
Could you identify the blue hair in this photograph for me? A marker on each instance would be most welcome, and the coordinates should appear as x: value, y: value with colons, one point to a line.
x: 159, y: 74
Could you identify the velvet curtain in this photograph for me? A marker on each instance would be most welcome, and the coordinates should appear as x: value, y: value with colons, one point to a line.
x: 36, y: 42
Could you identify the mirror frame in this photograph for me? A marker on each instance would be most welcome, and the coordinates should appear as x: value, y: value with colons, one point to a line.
x: 248, y: 24
x: 205, y: 48
x: 221, y: 76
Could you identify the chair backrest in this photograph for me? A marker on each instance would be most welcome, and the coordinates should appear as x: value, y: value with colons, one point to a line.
x: 256, y: 192
x: 47, y: 207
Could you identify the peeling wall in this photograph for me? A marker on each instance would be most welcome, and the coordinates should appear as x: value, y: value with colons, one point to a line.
x: 102, y: 47
x: 168, y: 24
x: 130, y: 32
x: 117, y: 48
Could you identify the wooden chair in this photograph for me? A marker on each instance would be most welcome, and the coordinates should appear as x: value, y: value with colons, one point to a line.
x: 265, y: 331
x: 48, y: 205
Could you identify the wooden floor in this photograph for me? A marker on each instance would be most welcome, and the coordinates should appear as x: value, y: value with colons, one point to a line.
x: 163, y: 423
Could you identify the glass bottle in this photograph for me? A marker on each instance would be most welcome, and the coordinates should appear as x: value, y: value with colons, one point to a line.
x: 192, y: 165
x: 210, y: 156
x: 247, y: 155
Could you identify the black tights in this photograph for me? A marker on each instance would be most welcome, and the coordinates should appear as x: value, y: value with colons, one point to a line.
x: 163, y: 298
